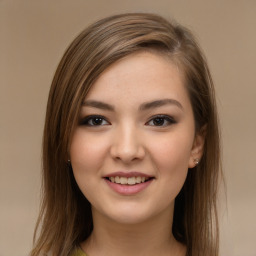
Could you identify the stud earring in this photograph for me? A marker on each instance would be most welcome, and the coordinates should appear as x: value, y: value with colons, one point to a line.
x: 196, y: 161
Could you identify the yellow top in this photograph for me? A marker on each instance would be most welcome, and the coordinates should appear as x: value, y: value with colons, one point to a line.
x: 78, y: 252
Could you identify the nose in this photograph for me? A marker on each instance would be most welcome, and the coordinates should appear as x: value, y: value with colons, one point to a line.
x: 127, y: 145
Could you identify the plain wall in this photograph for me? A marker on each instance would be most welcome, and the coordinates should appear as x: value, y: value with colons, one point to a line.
x: 33, y: 37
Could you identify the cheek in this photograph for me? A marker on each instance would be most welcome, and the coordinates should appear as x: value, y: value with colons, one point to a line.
x: 86, y: 151
x: 171, y: 157
x: 87, y: 156
x: 174, y: 150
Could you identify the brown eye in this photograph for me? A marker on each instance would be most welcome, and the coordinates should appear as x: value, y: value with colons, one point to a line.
x: 161, y: 121
x: 158, y: 121
x: 94, y: 121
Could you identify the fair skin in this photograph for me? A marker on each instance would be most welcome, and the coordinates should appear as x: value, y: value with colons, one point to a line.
x: 137, y: 127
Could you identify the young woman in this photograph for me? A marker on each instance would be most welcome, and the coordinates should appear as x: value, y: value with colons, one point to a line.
x: 131, y: 154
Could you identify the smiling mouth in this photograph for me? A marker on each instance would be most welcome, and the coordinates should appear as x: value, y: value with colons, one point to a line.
x: 128, y: 180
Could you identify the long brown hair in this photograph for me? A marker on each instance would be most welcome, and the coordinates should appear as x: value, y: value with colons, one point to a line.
x: 65, y: 218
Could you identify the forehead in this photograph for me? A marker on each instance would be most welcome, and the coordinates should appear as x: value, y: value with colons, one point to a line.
x: 140, y: 76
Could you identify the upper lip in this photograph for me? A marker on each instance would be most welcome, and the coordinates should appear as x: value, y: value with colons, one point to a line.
x: 128, y: 174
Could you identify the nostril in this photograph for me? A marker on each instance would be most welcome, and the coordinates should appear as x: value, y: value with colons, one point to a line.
x: 126, y: 145
x: 127, y: 154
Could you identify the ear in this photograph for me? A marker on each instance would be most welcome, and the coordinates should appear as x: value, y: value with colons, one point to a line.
x: 197, y: 148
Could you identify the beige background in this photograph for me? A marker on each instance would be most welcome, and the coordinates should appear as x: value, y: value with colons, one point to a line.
x: 34, y: 35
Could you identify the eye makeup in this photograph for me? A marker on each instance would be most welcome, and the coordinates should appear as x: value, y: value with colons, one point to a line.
x: 94, y: 120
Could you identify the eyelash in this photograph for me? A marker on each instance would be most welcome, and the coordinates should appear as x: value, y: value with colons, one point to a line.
x: 168, y: 120
x: 165, y: 120
x: 86, y: 121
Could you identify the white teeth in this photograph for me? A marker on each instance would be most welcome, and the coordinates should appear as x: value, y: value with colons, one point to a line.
x: 117, y: 180
x: 131, y: 181
x: 128, y: 181
x: 138, y: 179
x: 123, y: 180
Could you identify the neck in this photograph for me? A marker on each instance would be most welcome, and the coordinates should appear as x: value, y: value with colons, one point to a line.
x: 152, y: 237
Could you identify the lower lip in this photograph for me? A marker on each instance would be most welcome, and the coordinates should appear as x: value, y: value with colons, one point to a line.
x: 128, y: 189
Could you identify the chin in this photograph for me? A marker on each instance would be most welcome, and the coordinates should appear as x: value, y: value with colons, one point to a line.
x: 130, y: 219
x: 130, y: 213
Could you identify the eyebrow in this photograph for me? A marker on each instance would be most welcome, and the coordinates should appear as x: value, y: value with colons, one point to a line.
x: 143, y: 107
x: 98, y: 104
x: 160, y: 103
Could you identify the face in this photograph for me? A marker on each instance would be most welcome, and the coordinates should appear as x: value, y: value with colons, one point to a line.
x: 135, y: 140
